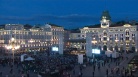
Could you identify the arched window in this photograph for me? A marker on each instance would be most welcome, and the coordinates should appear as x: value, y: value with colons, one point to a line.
x: 127, y: 32
x: 105, y: 34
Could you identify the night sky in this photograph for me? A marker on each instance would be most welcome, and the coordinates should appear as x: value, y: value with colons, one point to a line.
x: 67, y: 13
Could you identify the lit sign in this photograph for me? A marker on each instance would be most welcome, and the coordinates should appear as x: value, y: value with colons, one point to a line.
x: 96, y: 51
x: 54, y: 48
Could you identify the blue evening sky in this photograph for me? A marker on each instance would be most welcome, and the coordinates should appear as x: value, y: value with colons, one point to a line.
x: 67, y: 13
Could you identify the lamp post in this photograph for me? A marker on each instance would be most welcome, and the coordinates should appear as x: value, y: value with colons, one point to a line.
x: 12, y: 46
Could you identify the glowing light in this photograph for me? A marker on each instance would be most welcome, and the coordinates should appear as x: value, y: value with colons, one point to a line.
x: 116, y: 40
x: 12, y: 46
x: 94, y: 41
x: 96, y: 51
x: 8, y: 47
x: 17, y: 47
x: 31, y: 40
x: 12, y: 39
x: 104, y: 20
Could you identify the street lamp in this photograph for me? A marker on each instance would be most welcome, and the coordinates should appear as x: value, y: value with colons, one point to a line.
x: 12, y: 46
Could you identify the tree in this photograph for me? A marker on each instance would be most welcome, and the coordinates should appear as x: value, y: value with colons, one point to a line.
x: 27, y: 26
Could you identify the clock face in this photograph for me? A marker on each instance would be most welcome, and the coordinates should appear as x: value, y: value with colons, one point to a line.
x: 104, y: 24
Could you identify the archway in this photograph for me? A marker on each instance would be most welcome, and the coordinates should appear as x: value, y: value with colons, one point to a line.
x: 116, y: 48
x: 105, y: 48
x: 133, y: 49
x: 82, y: 47
x: 121, y: 49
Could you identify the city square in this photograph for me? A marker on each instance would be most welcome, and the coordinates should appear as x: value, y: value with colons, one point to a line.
x: 67, y: 67
x: 31, y: 45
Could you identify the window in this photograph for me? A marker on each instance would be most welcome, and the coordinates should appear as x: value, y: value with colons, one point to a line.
x: 111, y: 30
x: 127, y: 38
x: 78, y: 35
x: 111, y: 39
x: 121, y: 30
x: 100, y: 39
x: 127, y: 32
x: 105, y: 38
x: 133, y: 35
x: 121, y: 39
x: 133, y: 38
x: 105, y: 34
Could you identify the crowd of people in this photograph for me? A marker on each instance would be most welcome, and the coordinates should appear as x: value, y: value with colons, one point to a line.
x: 61, y: 65
x: 111, y: 66
x: 43, y: 64
x: 57, y: 65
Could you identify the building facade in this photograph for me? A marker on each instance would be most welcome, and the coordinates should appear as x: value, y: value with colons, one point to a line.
x: 30, y: 39
x: 119, y: 37
x: 77, y: 40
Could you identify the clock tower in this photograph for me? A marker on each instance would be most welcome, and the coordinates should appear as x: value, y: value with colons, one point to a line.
x: 105, y: 19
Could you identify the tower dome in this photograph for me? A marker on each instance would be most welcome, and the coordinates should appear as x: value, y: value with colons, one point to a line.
x: 105, y: 15
x: 105, y: 19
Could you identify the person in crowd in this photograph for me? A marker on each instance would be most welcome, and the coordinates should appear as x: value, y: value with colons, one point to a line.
x: 93, y: 74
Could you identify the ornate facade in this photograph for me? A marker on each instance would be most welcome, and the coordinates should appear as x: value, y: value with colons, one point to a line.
x: 119, y: 37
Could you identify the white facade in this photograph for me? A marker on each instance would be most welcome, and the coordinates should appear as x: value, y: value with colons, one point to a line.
x: 56, y: 31
x: 35, y: 39
x: 124, y: 37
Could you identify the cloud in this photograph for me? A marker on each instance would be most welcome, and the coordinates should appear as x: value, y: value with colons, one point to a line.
x: 79, y: 18
x: 67, y: 21
x: 69, y: 18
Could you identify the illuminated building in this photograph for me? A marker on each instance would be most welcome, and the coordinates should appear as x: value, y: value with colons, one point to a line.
x: 77, y: 40
x: 119, y: 37
x: 37, y: 38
